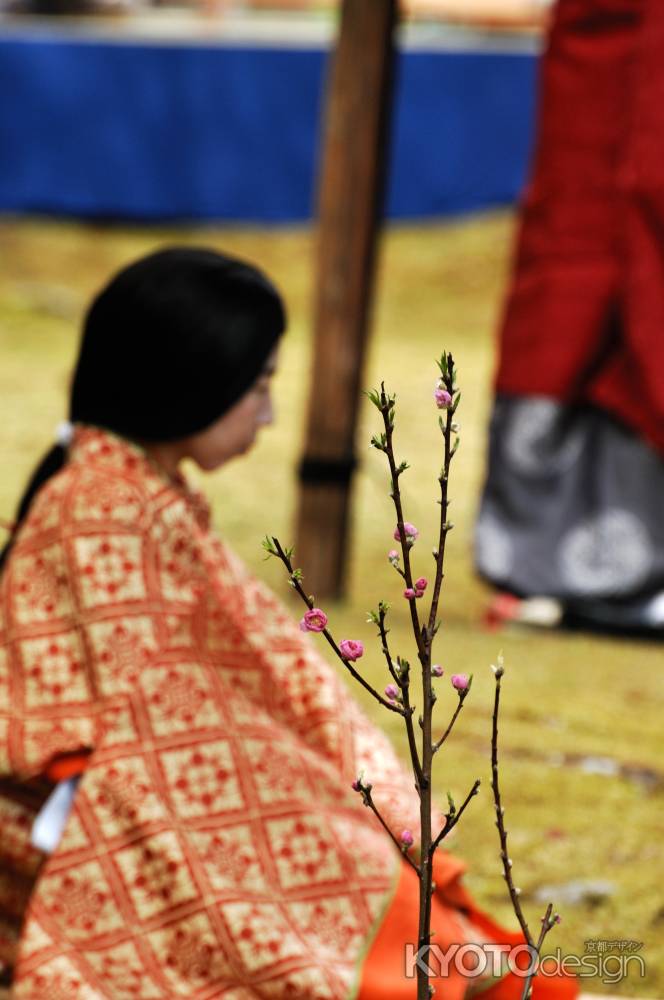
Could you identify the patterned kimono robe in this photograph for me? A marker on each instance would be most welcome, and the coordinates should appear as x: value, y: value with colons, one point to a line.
x: 215, y: 846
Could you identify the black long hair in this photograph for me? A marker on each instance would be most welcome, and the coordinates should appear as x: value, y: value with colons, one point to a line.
x: 168, y: 346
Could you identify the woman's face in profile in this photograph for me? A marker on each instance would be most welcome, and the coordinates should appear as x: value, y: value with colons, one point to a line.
x: 235, y: 432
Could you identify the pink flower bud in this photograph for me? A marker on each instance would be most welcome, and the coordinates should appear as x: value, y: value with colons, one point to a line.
x: 393, y: 556
x: 314, y: 620
x: 407, y: 839
x: 357, y: 785
x: 392, y: 691
x: 460, y: 681
x: 443, y: 398
x: 437, y: 670
x: 421, y: 584
x: 410, y: 531
x: 351, y: 649
x: 409, y: 593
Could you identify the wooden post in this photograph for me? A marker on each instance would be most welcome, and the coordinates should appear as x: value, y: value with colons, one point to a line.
x: 350, y: 205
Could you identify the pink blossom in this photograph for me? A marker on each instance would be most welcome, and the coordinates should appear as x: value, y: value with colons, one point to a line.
x: 407, y: 839
x: 314, y: 620
x: 392, y: 691
x: 409, y: 593
x: 351, y: 649
x: 393, y: 556
x: 443, y: 398
x: 410, y: 531
x: 437, y: 670
x: 460, y: 681
x: 421, y: 584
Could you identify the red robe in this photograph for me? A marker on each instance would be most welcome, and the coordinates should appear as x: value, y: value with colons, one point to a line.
x: 585, y: 314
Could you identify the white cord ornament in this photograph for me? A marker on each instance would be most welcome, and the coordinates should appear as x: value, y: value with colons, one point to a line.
x: 64, y: 433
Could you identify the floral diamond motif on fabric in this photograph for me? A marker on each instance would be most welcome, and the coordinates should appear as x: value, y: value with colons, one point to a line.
x: 262, y: 934
x: 190, y: 955
x: 54, y: 670
x: 331, y: 922
x: 81, y: 901
x: 123, y: 648
x: 122, y: 796
x: 123, y: 973
x: 302, y: 687
x: 372, y: 858
x: 109, y: 499
x: 180, y: 698
x: 156, y: 874
x: 110, y: 568
x: 181, y: 576
x: 230, y: 859
x: 38, y: 586
x: 119, y: 726
x: 202, y: 780
x: 304, y: 851
x: 58, y: 979
x: 273, y: 773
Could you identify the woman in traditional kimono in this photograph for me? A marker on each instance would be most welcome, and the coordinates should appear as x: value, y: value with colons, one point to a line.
x: 215, y: 846
x: 572, y: 505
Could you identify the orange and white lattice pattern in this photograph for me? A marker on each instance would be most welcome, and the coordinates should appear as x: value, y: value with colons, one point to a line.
x: 216, y: 847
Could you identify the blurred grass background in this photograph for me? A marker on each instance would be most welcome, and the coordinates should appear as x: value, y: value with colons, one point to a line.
x: 581, y: 729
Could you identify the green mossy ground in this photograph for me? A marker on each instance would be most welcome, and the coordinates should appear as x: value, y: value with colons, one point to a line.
x: 440, y: 288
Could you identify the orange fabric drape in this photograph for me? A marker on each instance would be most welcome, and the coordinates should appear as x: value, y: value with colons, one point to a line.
x: 456, y: 920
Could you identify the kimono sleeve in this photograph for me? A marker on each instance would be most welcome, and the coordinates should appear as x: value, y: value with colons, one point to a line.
x: 86, y: 607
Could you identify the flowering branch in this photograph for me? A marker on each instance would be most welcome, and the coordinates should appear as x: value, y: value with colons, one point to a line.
x: 406, y: 836
x: 447, y: 398
x: 386, y: 405
x: 348, y: 649
x: 549, y: 919
x: 397, y: 695
x: 463, y: 691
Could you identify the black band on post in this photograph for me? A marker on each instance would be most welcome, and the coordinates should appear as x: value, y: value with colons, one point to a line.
x: 327, y: 470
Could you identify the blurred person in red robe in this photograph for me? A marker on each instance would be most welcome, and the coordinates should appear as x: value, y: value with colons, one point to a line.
x: 570, y: 525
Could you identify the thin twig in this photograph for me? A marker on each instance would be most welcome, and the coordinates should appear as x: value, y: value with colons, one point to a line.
x: 547, y: 920
x: 351, y: 669
x: 404, y: 684
x: 453, y: 818
x: 500, y: 812
x: 444, y: 502
x: 368, y: 801
x: 436, y: 747
x: 534, y: 965
x: 385, y: 408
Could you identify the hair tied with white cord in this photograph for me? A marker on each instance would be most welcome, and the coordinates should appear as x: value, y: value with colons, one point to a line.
x: 64, y: 433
